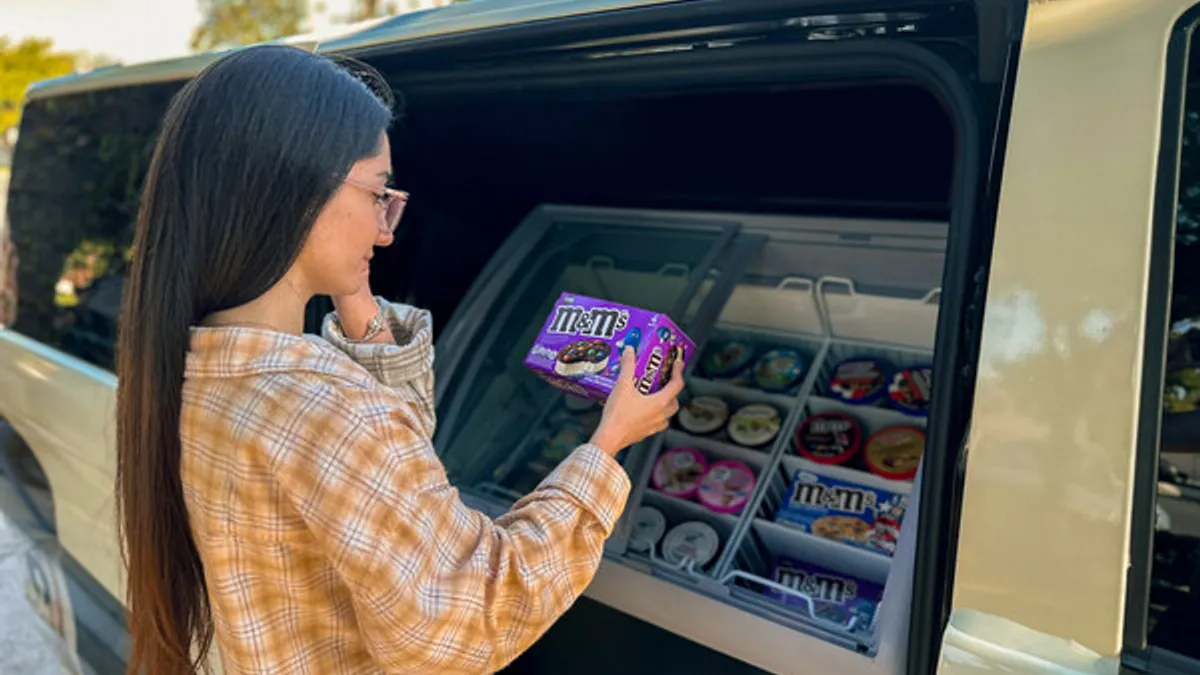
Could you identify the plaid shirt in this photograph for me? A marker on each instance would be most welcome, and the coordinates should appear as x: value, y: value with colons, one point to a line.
x: 331, y: 539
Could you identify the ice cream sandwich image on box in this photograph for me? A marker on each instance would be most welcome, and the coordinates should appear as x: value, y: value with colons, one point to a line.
x: 579, y: 348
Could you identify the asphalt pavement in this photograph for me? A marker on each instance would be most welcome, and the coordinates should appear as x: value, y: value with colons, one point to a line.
x: 1184, y: 511
x: 33, y: 602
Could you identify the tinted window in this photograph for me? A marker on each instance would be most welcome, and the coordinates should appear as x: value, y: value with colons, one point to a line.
x: 77, y: 173
x: 1173, y: 620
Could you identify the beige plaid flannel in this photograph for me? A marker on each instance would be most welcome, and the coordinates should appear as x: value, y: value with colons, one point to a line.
x: 331, y: 539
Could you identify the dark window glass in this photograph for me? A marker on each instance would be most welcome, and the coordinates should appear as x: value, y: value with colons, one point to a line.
x: 77, y: 174
x: 1174, y: 616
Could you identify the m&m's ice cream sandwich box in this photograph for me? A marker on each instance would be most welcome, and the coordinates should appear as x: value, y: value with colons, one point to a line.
x: 853, y: 514
x: 579, y: 348
x: 836, y: 597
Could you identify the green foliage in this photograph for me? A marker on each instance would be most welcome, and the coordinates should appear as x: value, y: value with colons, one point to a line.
x: 1185, y: 302
x: 235, y: 23
x: 21, y: 64
x: 370, y: 9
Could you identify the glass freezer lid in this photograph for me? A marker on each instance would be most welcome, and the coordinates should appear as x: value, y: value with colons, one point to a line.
x: 505, y: 429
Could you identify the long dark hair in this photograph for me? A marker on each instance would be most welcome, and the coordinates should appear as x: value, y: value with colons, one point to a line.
x: 249, y: 153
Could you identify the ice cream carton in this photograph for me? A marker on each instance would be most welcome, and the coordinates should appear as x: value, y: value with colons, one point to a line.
x: 579, y: 348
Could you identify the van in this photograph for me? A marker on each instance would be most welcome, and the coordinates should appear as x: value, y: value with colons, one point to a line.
x: 947, y: 251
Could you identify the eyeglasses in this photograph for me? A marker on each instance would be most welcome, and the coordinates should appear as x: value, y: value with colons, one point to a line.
x: 391, y: 201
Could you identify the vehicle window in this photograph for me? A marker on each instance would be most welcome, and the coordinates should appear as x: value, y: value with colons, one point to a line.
x: 77, y: 173
x: 1173, y: 613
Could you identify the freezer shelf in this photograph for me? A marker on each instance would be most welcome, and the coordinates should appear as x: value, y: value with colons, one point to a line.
x: 734, y: 393
x: 676, y: 507
x: 762, y: 341
x: 745, y: 572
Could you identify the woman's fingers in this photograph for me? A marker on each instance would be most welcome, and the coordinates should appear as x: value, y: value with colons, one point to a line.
x: 628, y: 361
x: 674, y: 387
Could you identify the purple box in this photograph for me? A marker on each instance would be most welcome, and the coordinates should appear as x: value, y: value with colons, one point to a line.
x: 579, y: 348
x: 836, y: 596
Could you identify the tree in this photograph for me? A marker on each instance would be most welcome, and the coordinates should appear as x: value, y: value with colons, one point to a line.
x: 1186, y: 304
x: 22, y: 64
x: 370, y: 9
x: 234, y: 23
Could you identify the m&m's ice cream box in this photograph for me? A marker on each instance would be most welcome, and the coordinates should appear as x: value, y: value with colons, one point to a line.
x: 835, y: 596
x: 579, y: 348
x: 853, y: 514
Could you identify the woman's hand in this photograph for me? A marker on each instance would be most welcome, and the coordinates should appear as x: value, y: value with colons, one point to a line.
x: 630, y: 416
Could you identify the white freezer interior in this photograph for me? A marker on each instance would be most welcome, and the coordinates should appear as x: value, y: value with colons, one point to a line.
x: 830, y: 288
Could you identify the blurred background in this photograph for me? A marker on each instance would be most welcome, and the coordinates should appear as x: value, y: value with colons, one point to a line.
x: 41, y: 39
x: 48, y: 38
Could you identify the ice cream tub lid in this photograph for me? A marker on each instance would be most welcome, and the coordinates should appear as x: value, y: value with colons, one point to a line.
x: 649, y: 524
x: 829, y: 438
x: 703, y: 414
x: 778, y: 370
x: 727, y: 486
x: 910, y: 390
x: 693, y: 539
x: 895, y: 452
x: 726, y: 359
x: 858, y: 381
x: 677, y: 472
x: 755, y: 424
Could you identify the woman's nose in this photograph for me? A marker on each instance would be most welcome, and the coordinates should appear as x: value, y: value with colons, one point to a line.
x: 384, y: 238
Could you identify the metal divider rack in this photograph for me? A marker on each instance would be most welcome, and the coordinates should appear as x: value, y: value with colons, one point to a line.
x: 827, y: 321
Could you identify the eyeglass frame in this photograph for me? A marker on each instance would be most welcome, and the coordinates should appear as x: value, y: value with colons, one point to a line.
x: 391, y: 194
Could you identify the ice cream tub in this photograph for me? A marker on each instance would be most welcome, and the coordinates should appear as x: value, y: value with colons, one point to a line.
x: 858, y: 381
x: 703, y: 415
x: 649, y: 524
x: 754, y: 425
x: 692, y: 540
x: 910, y: 391
x: 829, y: 438
x: 726, y: 486
x: 579, y: 347
x: 895, y: 452
x: 677, y: 472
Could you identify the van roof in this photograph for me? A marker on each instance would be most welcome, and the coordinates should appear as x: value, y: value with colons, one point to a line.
x: 456, y: 18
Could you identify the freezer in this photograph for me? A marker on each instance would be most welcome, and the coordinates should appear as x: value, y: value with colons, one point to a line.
x: 779, y: 510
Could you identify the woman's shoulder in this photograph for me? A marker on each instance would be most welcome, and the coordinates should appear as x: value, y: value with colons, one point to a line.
x: 296, y: 381
x: 238, y: 352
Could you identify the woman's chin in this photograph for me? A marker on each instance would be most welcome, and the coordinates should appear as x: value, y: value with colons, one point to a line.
x: 347, y: 287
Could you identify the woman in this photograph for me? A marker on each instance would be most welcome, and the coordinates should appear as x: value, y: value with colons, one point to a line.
x: 280, y: 491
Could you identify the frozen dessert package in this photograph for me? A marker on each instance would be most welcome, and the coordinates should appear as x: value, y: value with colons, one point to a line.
x: 678, y: 471
x: 726, y: 486
x: 649, y: 524
x: 836, y: 597
x: 853, y: 514
x: 691, y: 540
x: 579, y: 348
